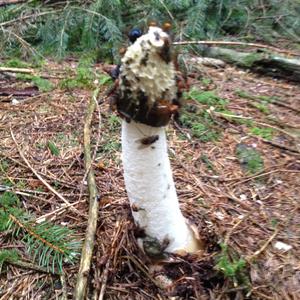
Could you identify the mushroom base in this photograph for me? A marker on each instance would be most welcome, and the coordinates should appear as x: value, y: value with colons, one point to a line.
x: 150, y: 187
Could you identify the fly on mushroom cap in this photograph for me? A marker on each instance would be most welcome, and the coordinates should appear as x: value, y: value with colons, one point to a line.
x: 134, y: 34
x: 148, y: 80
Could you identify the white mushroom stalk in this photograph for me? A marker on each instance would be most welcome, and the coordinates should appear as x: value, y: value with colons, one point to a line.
x: 147, y: 98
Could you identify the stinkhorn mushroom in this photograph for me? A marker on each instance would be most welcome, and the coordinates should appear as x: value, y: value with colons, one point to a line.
x: 146, y: 98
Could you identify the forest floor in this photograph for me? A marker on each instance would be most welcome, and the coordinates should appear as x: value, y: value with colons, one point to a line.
x: 236, y: 162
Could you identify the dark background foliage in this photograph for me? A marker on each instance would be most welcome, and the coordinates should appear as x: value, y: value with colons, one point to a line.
x: 59, y: 28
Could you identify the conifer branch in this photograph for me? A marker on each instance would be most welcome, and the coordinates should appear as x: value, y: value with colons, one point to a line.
x: 34, y: 234
x: 23, y: 18
x: 50, y: 245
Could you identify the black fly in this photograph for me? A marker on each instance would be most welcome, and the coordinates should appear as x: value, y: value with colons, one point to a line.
x: 149, y: 140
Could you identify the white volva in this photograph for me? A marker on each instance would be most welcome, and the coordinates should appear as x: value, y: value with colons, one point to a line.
x: 150, y: 187
x: 147, y: 171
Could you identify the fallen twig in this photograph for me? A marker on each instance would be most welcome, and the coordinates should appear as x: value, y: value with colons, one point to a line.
x: 104, y: 276
x: 64, y: 286
x: 57, y: 211
x: 88, y: 246
x: 228, y: 116
x: 17, y: 70
x: 28, y: 71
x: 264, y: 247
x: 26, y: 265
x: 26, y: 92
x: 229, y: 233
x: 283, y: 147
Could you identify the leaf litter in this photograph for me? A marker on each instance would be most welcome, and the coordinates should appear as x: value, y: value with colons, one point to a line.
x: 253, y: 212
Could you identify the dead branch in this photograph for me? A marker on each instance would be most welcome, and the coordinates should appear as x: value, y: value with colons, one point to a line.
x: 88, y: 246
x: 264, y: 247
x: 26, y: 92
x: 261, y: 62
x: 28, y: 71
x: 283, y: 147
x: 228, y: 43
x: 17, y: 70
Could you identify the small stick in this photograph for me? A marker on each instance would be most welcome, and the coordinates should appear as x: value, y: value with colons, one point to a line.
x: 49, y: 187
x: 256, y: 122
x: 104, y: 276
x: 28, y: 71
x: 57, y: 211
x: 17, y: 70
x: 26, y: 265
x: 264, y: 247
x: 104, y: 279
x: 227, y: 43
x: 228, y: 235
x: 88, y: 246
x: 283, y: 147
x: 64, y: 286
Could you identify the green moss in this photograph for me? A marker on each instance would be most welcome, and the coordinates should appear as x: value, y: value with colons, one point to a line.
x: 4, y: 165
x: 207, y: 98
x: 244, y: 94
x: 16, y: 63
x: 251, y: 58
x: 9, y: 199
x: 266, y: 133
x: 199, y: 121
x: 84, y: 79
x: 201, y: 125
x: 262, y: 107
x: 207, y: 162
x: 43, y: 85
x: 206, y: 81
x: 104, y: 79
x: 267, y: 99
x: 249, y: 158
